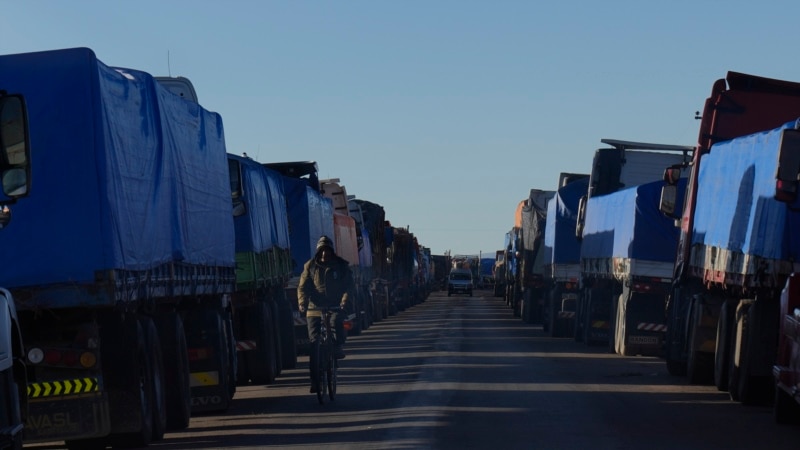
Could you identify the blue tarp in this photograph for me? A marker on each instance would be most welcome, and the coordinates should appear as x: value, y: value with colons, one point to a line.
x: 487, y: 266
x: 561, y: 245
x: 310, y: 216
x: 126, y: 175
x: 735, y: 206
x: 628, y: 224
x: 265, y: 222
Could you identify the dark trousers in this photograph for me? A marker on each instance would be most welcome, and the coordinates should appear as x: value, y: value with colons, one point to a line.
x: 313, y: 335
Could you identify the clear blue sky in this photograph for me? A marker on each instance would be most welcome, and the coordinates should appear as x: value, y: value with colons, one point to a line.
x: 445, y: 112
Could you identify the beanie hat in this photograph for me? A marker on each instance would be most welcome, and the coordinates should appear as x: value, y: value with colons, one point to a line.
x: 323, y: 242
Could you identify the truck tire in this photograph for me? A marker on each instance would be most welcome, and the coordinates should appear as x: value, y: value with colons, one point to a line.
x: 159, y: 399
x: 722, y: 354
x: 139, y: 384
x: 260, y: 363
x: 755, y: 381
x: 526, y: 307
x: 276, y: 338
x: 739, y: 336
x: 176, y: 370
x: 621, y: 325
x: 9, y: 393
x: 699, y: 366
x: 785, y: 409
x: 287, y: 337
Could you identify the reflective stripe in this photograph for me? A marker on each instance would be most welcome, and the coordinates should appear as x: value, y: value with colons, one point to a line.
x: 63, y: 387
x: 198, y: 379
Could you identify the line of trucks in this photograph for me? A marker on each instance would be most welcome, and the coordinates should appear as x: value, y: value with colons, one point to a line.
x: 148, y: 271
x: 688, y: 253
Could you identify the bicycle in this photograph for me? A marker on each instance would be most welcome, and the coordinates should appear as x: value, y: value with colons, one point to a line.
x: 326, y: 367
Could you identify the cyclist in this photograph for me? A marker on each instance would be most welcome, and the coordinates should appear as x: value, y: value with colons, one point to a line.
x: 326, y: 281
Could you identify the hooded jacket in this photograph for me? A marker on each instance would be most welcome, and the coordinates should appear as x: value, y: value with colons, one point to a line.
x: 324, y: 284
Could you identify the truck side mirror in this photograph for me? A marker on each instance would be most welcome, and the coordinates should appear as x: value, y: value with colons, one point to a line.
x: 14, y: 149
x: 669, y: 194
x: 788, y: 170
x: 672, y: 174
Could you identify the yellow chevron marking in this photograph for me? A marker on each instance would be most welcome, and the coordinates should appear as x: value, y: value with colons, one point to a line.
x: 62, y: 387
x: 199, y: 379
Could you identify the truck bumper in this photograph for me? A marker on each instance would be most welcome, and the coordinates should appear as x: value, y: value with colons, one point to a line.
x: 72, y: 417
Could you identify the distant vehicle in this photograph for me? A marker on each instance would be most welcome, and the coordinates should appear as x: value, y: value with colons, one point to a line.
x: 459, y: 282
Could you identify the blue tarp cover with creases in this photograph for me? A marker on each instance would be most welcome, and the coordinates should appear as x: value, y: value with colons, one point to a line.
x: 628, y: 224
x: 126, y: 175
x: 735, y: 207
x: 561, y: 245
x: 265, y: 225
x: 310, y: 216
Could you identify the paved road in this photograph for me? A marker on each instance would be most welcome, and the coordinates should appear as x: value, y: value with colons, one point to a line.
x: 462, y: 373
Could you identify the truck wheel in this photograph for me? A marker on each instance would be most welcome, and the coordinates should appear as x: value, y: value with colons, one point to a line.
x: 698, y: 366
x: 621, y: 326
x: 276, y: 338
x: 525, y: 308
x: 288, y: 346
x: 176, y: 370
x: 231, y: 353
x: 739, y: 336
x: 159, y: 399
x: 786, y: 410
x: 755, y: 387
x: 140, y: 386
x: 261, y: 361
x: 722, y: 353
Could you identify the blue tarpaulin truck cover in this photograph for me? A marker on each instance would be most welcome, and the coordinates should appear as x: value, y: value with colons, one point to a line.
x: 561, y: 245
x: 265, y: 224
x: 126, y: 175
x: 310, y: 216
x: 628, y: 224
x: 735, y: 208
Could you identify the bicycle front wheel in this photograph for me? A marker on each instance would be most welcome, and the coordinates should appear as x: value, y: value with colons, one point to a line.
x: 331, y: 376
x: 319, y: 373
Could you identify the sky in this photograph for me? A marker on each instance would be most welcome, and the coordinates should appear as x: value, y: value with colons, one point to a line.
x: 445, y: 112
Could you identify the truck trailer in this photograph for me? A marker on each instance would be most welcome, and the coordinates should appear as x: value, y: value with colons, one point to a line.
x: 121, y: 282
x: 562, y: 252
x: 737, y: 239
x: 621, y: 165
x: 263, y: 320
x: 531, y: 220
x: 628, y: 249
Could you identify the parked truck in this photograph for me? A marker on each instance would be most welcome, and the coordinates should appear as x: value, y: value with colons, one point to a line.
x: 373, y: 217
x: 263, y: 320
x: 120, y: 282
x: 531, y: 220
x: 737, y: 239
x: 623, y: 164
x: 345, y: 238
x: 627, y: 256
x: 15, y: 183
x: 562, y: 252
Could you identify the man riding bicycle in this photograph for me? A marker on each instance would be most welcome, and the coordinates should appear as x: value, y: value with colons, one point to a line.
x: 326, y: 281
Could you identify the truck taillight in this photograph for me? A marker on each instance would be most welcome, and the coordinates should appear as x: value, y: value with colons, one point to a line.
x: 785, y: 191
x: 62, y: 358
x: 196, y: 354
